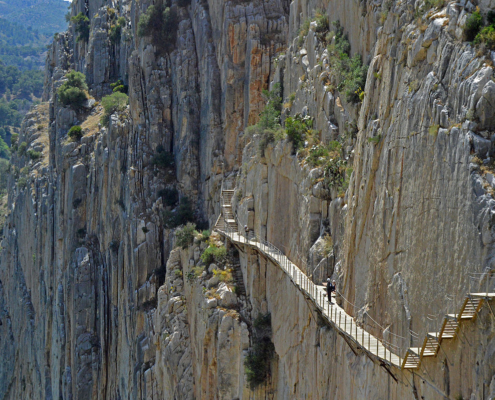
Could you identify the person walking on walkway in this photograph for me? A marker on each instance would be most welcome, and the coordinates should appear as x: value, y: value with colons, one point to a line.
x: 330, y: 289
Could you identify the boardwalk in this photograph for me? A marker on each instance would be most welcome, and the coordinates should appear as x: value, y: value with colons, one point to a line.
x: 356, y: 336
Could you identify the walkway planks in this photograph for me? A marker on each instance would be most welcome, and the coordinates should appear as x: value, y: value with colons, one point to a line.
x: 336, y: 316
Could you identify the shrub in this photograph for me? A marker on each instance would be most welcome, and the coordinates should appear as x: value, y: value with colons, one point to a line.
x: 224, y: 276
x: 473, y: 25
x: 22, y: 182
x: 180, y: 216
x: 303, y: 32
x: 268, y: 127
x: 160, y: 22
x: 75, y: 133
x: 183, y: 3
x: 170, y: 197
x: 14, y: 139
x: 322, y: 23
x: 116, y: 30
x: 213, y: 254
x: 270, y: 116
x: 258, y: 361
x: 115, y: 102
x: 317, y: 155
x: 163, y: 159
x: 34, y: 155
x: 185, y: 236
x: 73, y: 91
x: 334, y: 173
x: 119, y: 87
x: 22, y: 148
x: 486, y: 37
x: 81, y: 23
x: 296, y: 128
x: 350, y: 72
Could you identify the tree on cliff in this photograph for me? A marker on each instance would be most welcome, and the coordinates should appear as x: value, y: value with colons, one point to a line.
x: 160, y: 22
x: 73, y: 91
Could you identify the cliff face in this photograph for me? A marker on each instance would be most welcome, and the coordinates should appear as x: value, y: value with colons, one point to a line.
x: 95, y: 302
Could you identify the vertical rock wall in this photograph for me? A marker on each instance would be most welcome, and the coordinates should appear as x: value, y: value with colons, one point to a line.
x: 95, y: 304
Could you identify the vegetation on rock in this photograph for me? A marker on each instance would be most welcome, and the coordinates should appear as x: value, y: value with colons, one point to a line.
x: 160, y: 22
x: 349, y: 72
x: 73, y: 91
x: 117, y: 101
x: 75, y: 133
x: 258, y: 361
x: 81, y: 23
x: 213, y: 254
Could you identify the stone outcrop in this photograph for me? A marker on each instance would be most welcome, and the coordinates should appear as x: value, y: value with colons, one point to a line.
x: 97, y: 300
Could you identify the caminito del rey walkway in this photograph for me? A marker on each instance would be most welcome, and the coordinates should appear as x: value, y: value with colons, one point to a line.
x: 387, y: 354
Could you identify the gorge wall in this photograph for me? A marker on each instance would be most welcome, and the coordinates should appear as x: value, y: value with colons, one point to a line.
x: 96, y: 299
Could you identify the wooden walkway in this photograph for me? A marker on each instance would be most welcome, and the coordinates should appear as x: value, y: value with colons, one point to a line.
x: 355, y: 336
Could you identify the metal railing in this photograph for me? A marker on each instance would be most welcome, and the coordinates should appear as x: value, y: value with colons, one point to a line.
x: 387, y: 346
x: 378, y: 347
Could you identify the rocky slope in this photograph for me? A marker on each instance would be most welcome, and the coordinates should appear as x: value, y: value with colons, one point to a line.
x: 96, y: 299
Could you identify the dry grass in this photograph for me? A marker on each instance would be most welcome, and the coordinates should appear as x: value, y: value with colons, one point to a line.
x: 43, y: 112
x: 3, y: 210
x: 90, y: 124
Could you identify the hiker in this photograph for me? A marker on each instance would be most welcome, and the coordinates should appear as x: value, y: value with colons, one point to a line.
x: 331, y: 287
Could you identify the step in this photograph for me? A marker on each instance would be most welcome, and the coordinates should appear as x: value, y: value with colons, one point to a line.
x: 455, y: 317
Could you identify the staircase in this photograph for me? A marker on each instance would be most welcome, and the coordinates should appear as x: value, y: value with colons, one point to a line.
x: 448, y: 331
x: 230, y: 221
x: 238, y: 279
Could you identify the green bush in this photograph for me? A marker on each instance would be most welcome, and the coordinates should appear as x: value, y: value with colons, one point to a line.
x: 270, y: 116
x: 258, y: 361
x: 22, y: 182
x: 180, y: 216
x: 73, y: 91
x: 268, y: 127
x: 350, y: 72
x: 317, y: 155
x: 170, y: 197
x: 75, y: 133
x: 185, y: 236
x: 473, y: 25
x: 322, y: 23
x: 34, y: 155
x: 4, y: 149
x: 297, y: 128
x: 14, y: 139
x: 116, y: 30
x: 486, y: 37
x: 163, y: 159
x: 213, y: 254
x: 119, y: 87
x: 81, y: 22
x: 115, y: 102
x: 22, y: 148
x: 161, y: 23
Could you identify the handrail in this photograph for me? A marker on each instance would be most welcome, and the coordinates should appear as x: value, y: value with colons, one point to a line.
x: 355, y: 331
x: 384, y: 350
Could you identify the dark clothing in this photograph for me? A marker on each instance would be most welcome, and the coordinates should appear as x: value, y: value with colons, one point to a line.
x: 330, y: 288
